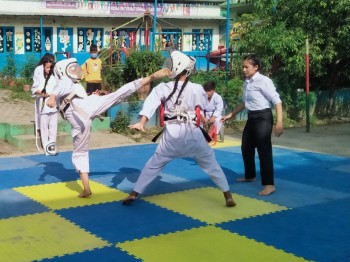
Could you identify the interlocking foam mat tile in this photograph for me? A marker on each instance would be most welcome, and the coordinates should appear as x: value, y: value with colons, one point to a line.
x: 203, y: 244
x: 182, y: 215
x: 38, y: 236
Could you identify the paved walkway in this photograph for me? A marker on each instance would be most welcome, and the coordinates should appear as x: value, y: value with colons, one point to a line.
x: 331, y: 139
x: 16, y: 112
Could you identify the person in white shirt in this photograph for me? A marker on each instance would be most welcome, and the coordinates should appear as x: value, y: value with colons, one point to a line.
x: 46, y: 117
x: 182, y: 135
x: 213, y: 110
x: 79, y: 109
x: 258, y: 94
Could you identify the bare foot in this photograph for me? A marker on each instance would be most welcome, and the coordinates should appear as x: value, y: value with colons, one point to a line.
x: 243, y: 179
x: 131, y: 198
x: 85, y: 194
x: 269, y: 189
x: 229, y: 200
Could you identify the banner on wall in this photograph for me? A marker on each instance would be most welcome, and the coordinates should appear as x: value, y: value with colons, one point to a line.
x: 133, y: 9
x: 19, y: 43
x: 64, y: 41
x: 61, y: 5
x: 173, y: 9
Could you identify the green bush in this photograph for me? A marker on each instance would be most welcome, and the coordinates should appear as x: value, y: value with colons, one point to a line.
x: 296, y: 109
x: 10, y: 69
x: 28, y: 68
x: 230, y: 92
x: 113, y: 77
x: 233, y: 93
x: 120, y: 123
x: 142, y: 63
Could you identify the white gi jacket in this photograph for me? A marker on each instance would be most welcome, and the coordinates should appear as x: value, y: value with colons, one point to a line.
x: 39, y: 84
x: 180, y: 138
x: 215, y: 108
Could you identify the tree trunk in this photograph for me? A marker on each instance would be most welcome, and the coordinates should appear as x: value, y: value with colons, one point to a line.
x: 332, y: 85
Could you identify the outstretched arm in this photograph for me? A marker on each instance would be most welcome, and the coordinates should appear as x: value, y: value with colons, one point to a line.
x: 140, y: 125
x: 164, y: 72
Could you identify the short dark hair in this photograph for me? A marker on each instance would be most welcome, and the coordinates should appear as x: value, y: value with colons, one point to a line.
x: 93, y: 48
x: 209, y: 86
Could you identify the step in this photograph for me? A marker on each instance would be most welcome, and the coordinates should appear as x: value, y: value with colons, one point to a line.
x: 10, y: 130
x: 28, y: 141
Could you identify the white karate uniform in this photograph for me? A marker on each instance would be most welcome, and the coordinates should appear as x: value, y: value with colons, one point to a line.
x: 215, y: 108
x: 46, y: 117
x: 179, y: 138
x: 82, y: 111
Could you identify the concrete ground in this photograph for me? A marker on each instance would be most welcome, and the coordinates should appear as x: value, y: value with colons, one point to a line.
x: 333, y: 139
x: 329, y: 139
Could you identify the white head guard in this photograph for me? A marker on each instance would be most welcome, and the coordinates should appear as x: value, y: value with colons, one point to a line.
x: 70, y: 68
x: 178, y: 62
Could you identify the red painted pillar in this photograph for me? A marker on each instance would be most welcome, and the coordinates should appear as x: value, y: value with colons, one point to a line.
x: 132, y: 39
x: 307, y: 85
x: 147, y: 22
x: 111, y: 43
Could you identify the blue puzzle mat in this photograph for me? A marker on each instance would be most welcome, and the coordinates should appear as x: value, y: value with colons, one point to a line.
x: 181, y: 217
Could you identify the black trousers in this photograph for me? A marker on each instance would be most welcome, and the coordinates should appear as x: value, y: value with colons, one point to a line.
x: 257, y: 134
x: 92, y: 87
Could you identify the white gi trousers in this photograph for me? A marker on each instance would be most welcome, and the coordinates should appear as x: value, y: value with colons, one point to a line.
x: 48, y: 127
x: 182, y: 140
x: 80, y: 114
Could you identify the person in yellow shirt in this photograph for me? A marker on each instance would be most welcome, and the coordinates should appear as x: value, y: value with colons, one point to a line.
x: 92, y: 71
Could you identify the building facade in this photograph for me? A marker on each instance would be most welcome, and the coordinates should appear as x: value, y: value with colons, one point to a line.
x: 70, y: 27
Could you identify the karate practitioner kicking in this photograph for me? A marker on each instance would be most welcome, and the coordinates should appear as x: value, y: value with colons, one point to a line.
x: 79, y: 109
x: 182, y: 136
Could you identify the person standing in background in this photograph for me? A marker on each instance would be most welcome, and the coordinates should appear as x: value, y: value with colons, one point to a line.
x: 45, y: 117
x: 258, y: 94
x: 92, y: 71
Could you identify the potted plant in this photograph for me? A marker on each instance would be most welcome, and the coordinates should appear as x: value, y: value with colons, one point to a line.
x: 140, y: 64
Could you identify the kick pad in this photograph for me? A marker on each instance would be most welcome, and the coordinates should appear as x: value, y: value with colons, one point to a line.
x: 208, y: 205
x: 64, y: 195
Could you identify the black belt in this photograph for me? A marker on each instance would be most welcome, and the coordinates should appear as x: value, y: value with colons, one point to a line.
x: 169, y: 118
x: 65, y: 107
x: 253, y: 112
x: 63, y: 111
x: 172, y: 118
x: 205, y: 134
